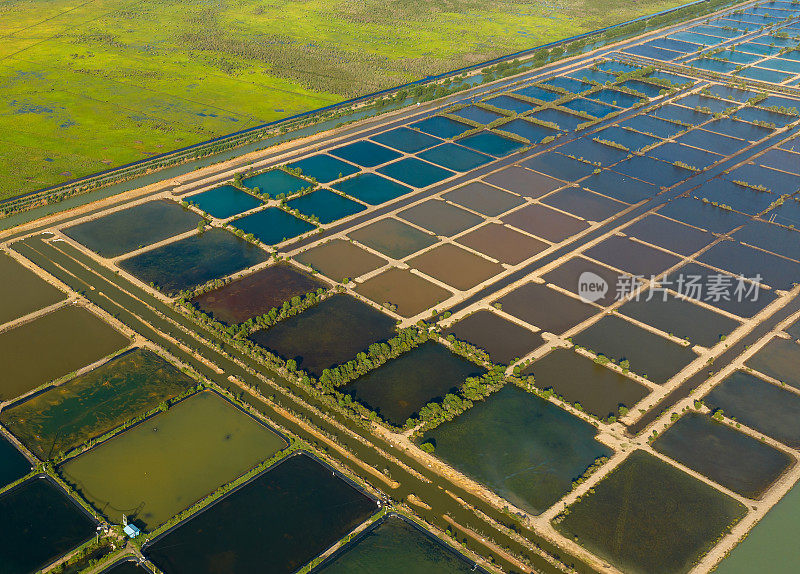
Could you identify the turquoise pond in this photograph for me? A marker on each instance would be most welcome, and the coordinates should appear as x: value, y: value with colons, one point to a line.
x: 415, y: 172
x: 324, y: 168
x: 193, y: 261
x: 455, y: 157
x: 224, y: 202
x: 406, y: 139
x: 372, y: 188
x: 326, y: 205
x: 276, y: 182
x: 365, y: 153
x: 273, y: 225
x: 522, y: 447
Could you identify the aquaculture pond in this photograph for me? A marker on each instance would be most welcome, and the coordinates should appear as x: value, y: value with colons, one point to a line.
x: 415, y: 172
x: 164, y: 464
x: 224, y: 202
x: 546, y: 308
x: 124, y: 231
x: 502, y: 339
x: 733, y: 459
x: 405, y: 292
x: 681, y: 318
x: 400, y: 387
x: 569, y: 274
x: 285, y: 516
x: 372, y: 188
x: 737, y: 258
x: 522, y: 447
x: 483, y: 198
x: 316, y: 338
x: 649, y: 517
x: 365, y: 153
x: 126, y: 567
x: 620, y: 187
x: 546, y: 223
x: 599, y: 390
x: 477, y: 114
x: 510, y: 103
x: 778, y: 359
x: 273, y: 225
x: 649, y: 355
x: 441, y: 126
x: 339, y: 259
x: 22, y: 291
x: 276, y: 182
x: 440, y: 217
x: 592, y: 151
x: 13, y: 465
x: 500, y: 242
x: 68, y: 415
x: 523, y: 181
x: 455, y: 266
x: 393, y: 238
x: 324, y: 168
x: 406, y: 139
x: 670, y: 235
x: 325, y: 205
x: 586, y: 204
x: 178, y: 266
x: 760, y: 405
x: 257, y: 293
x: 774, y: 536
x: 40, y: 524
x: 395, y: 545
x: 455, y: 157
x: 631, y: 256
x: 52, y: 346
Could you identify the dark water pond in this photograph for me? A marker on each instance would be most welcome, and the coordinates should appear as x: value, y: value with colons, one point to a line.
x: 399, y: 388
x: 193, y: 261
x: 372, y: 188
x: 224, y: 202
x: 315, y: 338
x: 406, y: 139
x: 257, y: 293
x: 455, y: 157
x: 325, y: 205
x: 284, y: 517
x: 40, y: 523
x: 324, y: 168
x: 649, y: 517
x: 365, y: 153
x: 415, y: 173
x: 649, y: 355
x: 395, y: 545
x: 731, y: 458
x: 275, y: 182
x: 502, y: 339
x: 778, y: 359
x: 273, y: 225
x: 599, y: 390
x: 522, y: 447
x: 546, y: 308
x: 670, y: 234
x: 13, y: 465
x: 132, y: 228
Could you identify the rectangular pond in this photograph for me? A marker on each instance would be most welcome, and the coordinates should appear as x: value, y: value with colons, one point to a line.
x: 365, y: 153
x: 132, y: 228
x: 273, y: 225
x: 396, y: 545
x: 285, y: 517
x: 325, y: 205
x: 193, y: 261
x: 455, y: 266
x: 546, y: 308
x: 503, y: 340
x: 415, y: 173
x: 40, y: 524
x: 324, y: 168
x: 623, y: 518
x: 52, y: 346
x: 13, y: 465
x: 733, y: 459
x: 393, y: 238
x: 649, y: 355
x: 340, y: 259
x: 257, y: 293
x: 224, y: 201
x: 315, y: 338
x: 778, y: 359
x: 599, y: 390
x: 406, y: 140
x: 405, y: 292
x: 522, y: 447
x: 372, y: 188
x: 66, y: 416
x: 22, y: 291
x: 166, y: 463
x: 399, y: 388
x: 276, y: 182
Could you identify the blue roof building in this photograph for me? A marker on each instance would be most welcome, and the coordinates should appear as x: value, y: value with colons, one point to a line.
x: 131, y: 531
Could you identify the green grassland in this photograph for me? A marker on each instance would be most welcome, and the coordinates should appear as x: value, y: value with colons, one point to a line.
x: 88, y: 85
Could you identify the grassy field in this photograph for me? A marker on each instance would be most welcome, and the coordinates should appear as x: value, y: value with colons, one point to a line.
x: 88, y: 85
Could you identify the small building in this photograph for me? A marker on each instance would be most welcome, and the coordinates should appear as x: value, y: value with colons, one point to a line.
x: 131, y: 531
